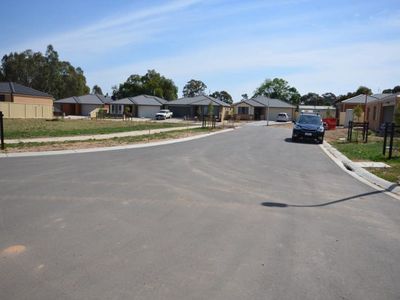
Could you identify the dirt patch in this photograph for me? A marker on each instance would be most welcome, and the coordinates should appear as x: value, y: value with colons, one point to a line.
x: 339, y: 134
x: 286, y: 125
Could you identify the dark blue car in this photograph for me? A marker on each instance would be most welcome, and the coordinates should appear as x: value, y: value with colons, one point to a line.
x: 308, y: 126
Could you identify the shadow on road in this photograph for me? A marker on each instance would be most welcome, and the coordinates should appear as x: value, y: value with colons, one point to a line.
x: 281, y: 205
x: 303, y: 141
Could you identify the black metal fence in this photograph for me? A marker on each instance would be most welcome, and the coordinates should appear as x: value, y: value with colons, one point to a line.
x: 1, y: 131
x: 390, y: 132
x: 208, y: 121
x: 358, y: 126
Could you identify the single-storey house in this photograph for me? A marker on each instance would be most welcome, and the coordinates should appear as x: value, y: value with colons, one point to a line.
x: 358, y: 100
x: 142, y: 106
x: 258, y: 107
x: 191, y: 107
x: 322, y: 110
x: 82, y: 105
x: 19, y: 101
x: 352, y: 102
x: 382, y: 110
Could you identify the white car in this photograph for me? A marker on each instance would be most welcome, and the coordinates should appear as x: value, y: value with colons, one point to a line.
x: 282, y: 117
x: 164, y: 114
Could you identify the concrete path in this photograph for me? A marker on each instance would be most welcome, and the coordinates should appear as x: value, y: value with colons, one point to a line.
x: 97, y: 136
x: 241, y: 215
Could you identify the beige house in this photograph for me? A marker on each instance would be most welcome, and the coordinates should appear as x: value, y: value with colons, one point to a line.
x: 19, y: 101
x: 259, y: 107
x: 382, y: 110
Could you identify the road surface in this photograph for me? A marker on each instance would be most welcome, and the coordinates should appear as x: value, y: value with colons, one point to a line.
x: 241, y: 215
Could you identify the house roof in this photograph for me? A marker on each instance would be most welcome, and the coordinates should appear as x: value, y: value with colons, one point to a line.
x: 144, y: 100
x: 198, y: 100
x: 360, y: 99
x: 250, y: 102
x: 262, y: 101
x: 272, y: 102
x: 316, y: 107
x: 85, y: 99
x: 16, y: 88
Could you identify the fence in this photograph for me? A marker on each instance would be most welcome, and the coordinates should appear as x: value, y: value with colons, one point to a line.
x: 26, y: 111
x: 208, y: 121
x: 1, y: 131
x: 357, y: 126
x: 390, y: 131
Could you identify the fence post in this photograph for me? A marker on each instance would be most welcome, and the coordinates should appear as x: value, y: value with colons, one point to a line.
x: 385, y: 137
x: 1, y: 130
x: 391, y: 140
x: 366, y: 134
x: 348, y: 132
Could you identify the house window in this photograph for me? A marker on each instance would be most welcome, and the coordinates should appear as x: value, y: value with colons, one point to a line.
x: 116, y: 109
x: 243, y: 110
x: 2, y: 98
x: 374, y: 114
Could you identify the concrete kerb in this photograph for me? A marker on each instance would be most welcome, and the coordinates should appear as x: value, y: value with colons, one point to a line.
x: 390, y: 188
x: 114, y: 148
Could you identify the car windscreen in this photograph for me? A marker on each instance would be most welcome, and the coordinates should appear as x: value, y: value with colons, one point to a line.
x: 309, y: 119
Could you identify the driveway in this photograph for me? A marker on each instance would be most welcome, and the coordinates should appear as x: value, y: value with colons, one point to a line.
x: 241, y: 215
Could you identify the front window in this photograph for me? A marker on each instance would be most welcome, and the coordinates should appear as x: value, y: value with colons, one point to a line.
x: 243, y: 110
x: 2, y: 98
x: 116, y: 109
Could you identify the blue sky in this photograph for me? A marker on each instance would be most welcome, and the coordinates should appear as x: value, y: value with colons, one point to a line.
x: 317, y: 46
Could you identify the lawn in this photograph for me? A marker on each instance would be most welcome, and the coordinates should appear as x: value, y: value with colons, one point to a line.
x: 31, y: 128
x: 372, y: 151
x: 49, y: 146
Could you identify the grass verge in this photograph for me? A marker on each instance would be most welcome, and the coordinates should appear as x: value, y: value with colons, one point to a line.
x: 31, y: 128
x: 70, y: 145
x: 372, y: 151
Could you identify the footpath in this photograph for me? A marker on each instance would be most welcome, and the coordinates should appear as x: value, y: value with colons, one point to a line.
x: 97, y: 136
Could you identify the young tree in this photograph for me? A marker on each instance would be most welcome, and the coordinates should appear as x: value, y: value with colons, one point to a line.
x: 194, y: 88
x: 210, y: 110
x: 357, y: 112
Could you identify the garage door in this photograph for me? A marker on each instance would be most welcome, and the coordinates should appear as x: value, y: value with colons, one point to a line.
x: 87, y: 108
x: 388, y: 112
x: 148, y: 111
x: 180, y: 111
x: 273, y: 112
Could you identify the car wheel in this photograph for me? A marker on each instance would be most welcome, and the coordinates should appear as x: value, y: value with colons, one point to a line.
x: 320, y: 141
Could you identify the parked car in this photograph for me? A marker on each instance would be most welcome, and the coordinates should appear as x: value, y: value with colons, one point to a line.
x: 282, y: 117
x: 308, y: 126
x: 164, y: 114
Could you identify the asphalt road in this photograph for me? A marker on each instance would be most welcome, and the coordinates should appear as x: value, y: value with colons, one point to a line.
x: 240, y: 215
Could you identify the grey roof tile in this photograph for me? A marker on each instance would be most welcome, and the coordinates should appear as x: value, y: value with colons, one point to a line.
x: 360, y: 99
x: 16, y: 88
x: 198, y: 100
x: 86, y: 99
x: 272, y: 102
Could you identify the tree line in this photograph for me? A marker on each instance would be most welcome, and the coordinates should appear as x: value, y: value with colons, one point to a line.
x: 47, y: 73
